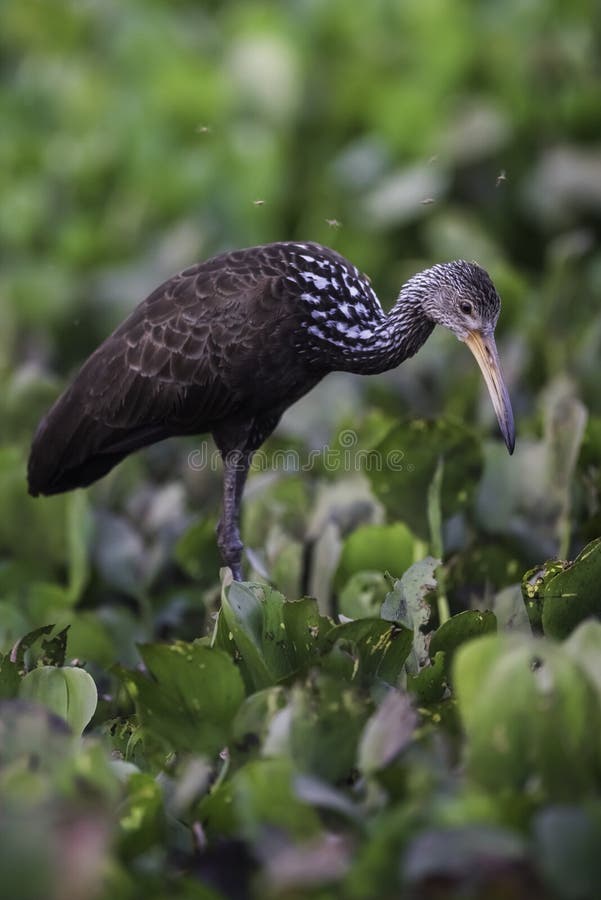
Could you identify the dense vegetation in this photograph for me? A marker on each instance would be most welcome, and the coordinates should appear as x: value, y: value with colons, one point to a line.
x: 429, y: 725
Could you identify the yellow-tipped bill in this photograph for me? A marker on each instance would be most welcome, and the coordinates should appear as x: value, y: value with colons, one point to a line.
x: 485, y: 350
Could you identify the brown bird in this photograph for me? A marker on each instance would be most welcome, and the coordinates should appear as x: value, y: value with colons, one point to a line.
x: 228, y: 344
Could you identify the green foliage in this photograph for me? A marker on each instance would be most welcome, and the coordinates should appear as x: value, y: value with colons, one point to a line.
x: 560, y: 595
x: 356, y: 742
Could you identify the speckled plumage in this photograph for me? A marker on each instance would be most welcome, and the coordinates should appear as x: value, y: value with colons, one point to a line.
x: 226, y: 346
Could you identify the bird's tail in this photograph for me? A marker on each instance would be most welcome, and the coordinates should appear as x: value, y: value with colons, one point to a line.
x: 72, y: 449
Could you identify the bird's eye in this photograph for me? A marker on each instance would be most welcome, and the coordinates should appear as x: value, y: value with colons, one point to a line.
x: 466, y: 307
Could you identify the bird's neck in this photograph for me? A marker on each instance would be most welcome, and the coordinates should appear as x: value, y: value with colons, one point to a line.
x: 396, y: 336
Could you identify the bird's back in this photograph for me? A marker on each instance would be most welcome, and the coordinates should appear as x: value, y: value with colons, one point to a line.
x: 235, y: 337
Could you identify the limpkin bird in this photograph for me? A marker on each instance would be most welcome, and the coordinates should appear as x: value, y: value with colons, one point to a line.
x: 227, y: 345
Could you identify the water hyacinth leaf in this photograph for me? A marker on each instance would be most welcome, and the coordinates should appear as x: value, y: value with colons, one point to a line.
x: 307, y: 630
x: 264, y: 796
x: 9, y: 678
x: 384, y: 548
x: 379, y: 649
x: 533, y: 589
x: 460, y: 628
x: 327, y: 720
x: 253, y: 719
x: 142, y: 821
x: 363, y: 594
x: 25, y: 643
x: 54, y: 649
x: 191, y: 697
x: 260, y: 795
x: 573, y: 594
x: 406, y: 604
x: 430, y: 684
x: 387, y: 732
x: 415, y: 447
x: 584, y: 646
x: 67, y: 692
x: 242, y: 615
x: 196, y: 551
x: 528, y: 711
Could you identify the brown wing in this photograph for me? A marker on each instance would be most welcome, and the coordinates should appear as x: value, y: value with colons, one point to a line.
x: 182, y: 361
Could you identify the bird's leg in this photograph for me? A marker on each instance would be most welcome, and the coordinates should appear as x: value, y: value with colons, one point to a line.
x: 235, y: 470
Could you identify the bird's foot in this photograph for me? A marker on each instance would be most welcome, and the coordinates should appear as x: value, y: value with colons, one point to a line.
x: 231, y: 547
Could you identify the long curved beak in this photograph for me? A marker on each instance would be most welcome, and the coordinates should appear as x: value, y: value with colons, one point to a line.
x: 485, y: 350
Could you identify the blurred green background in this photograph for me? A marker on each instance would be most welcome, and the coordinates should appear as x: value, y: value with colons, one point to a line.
x: 138, y: 137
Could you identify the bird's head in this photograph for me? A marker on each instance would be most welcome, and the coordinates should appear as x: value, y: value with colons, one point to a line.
x: 461, y: 296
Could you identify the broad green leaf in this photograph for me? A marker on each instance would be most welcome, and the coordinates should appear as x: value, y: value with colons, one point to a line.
x: 259, y: 797
x: 307, y: 630
x: 363, y: 594
x: 196, y: 551
x: 252, y: 720
x: 379, y: 649
x: 429, y: 685
x: 191, y: 697
x: 9, y: 678
x: 384, y: 548
x: 142, y: 820
x: 415, y: 448
x: 573, y: 594
x: 264, y: 797
x: 68, y: 692
x: 463, y: 627
x: 584, y: 646
x: 243, y: 616
x: 559, y: 595
x: 529, y: 712
x: 327, y: 720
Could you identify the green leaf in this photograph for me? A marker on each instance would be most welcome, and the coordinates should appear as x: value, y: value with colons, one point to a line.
x: 192, y: 695
x: 573, y: 594
x: 584, y: 647
x: 415, y: 447
x: 406, y: 604
x: 68, y: 692
x: 142, y: 821
x: 196, y: 551
x: 17, y: 654
x: 259, y: 797
x: 253, y: 719
x: 378, y: 649
x: 429, y: 685
x: 307, y: 630
x: 459, y: 629
x: 384, y: 548
x: 327, y: 718
x: 363, y: 594
x: 54, y: 649
x: 264, y: 798
x: 529, y: 712
x: 9, y: 678
x: 243, y: 617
